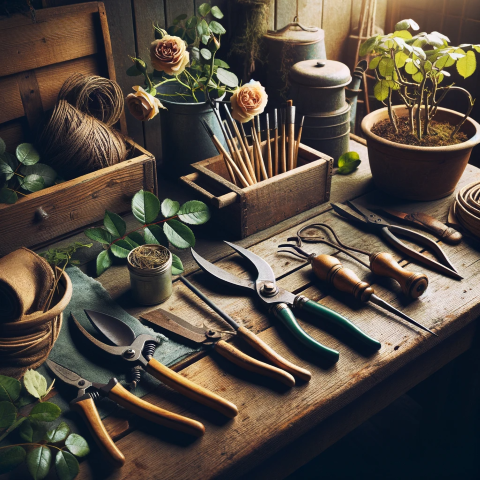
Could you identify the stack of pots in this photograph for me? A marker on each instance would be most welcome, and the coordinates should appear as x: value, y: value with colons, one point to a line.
x: 318, y: 92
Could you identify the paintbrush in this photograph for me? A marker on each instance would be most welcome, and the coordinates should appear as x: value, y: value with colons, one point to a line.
x: 258, y: 150
x: 275, y: 144
x: 290, y: 114
x: 283, y: 153
x: 250, y: 153
x: 256, y: 157
x: 226, y: 156
x: 297, y: 146
x: 238, y: 155
x: 269, y: 149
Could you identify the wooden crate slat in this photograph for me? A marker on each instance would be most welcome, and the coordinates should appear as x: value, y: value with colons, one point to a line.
x: 14, y: 133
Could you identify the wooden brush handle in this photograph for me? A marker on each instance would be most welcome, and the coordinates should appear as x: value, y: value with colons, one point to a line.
x: 330, y: 270
x: 85, y: 406
x: 190, y: 389
x: 413, y: 284
x: 153, y: 413
x: 291, y: 146
x: 268, y: 352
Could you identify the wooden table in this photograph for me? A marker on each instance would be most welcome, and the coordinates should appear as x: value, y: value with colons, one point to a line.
x: 278, y: 429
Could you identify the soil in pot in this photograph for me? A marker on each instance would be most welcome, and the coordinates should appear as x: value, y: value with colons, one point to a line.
x: 439, y: 135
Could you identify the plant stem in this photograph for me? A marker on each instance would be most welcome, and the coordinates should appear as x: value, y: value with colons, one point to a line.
x: 391, y: 113
x: 419, y: 110
x: 31, y: 444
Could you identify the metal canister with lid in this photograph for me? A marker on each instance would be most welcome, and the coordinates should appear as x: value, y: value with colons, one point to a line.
x: 317, y: 88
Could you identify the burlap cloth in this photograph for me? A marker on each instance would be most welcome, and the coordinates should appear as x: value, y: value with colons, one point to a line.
x: 27, y: 333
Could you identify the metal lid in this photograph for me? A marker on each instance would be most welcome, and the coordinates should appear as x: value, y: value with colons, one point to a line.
x: 296, y: 33
x: 320, y: 73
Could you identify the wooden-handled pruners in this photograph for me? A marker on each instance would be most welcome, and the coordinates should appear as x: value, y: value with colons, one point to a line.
x: 139, y: 349
x: 89, y: 392
x: 280, y: 302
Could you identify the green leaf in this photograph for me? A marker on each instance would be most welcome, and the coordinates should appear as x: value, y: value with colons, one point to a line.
x: 121, y: 249
x: 406, y: 24
x: 5, y: 168
x: 26, y: 431
x: 192, y: 22
x: 205, y: 39
x: 131, y: 242
x: 348, y: 163
x: 66, y: 465
x: 104, y: 261
x: 216, y: 12
x: 32, y: 183
x: 48, y: 174
x: 202, y: 28
x: 418, y: 77
x: 411, y: 68
x: 179, y: 235
x: 221, y: 63
x: 145, y: 206
x: 27, y: 154
x: 194, y: 212
x: 38, y: 462
x: 368, y: 46
x: 8, y: 196
x: 155, y: 234
x: 133, y: 71
x: 386, y: 66
x: 8, y: 414
x: 381, y: 90
x: 204, y: 9
x: 77, y: 445
x: 57, y: 434
x: 227, y: 78
x: 467, y: 64
x: 9, y: 389
x: 114, y: 224
x: 98, y: 234
x: 12, y: 427
x: 400, y: 59
x: 177, y: 265
x: 137, y: 238
x: 402, y: 34
x: 11, y: 458
x: 217, y: 28
x: 45, y: 412
x: 374, y: 62
x: 206, y: 54
x: 35, y: 383
x: 169, y: 208
x: 2, y: 146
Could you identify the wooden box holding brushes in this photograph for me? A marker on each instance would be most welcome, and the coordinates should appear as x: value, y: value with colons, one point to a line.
x: 244, y: 211
x: 36, y: 58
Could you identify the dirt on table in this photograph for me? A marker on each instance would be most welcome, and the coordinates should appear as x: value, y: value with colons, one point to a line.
x: 439, y: 135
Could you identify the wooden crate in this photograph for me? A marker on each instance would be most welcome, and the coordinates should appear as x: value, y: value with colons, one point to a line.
x: 245, y: 211
x: 36, y: 58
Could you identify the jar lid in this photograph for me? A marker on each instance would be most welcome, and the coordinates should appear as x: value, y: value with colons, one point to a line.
x: 320, y: 73
x: 296, y: 33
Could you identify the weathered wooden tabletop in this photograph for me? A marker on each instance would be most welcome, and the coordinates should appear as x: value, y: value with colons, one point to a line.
x: 279, y: 429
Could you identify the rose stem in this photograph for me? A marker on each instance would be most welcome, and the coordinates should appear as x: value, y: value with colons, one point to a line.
x: 291, y: 133
x: 297, y: 146
x: 269, y: 149
x: 243, y: 146
x: 259, y: 154
x: 275, y: 126
x: 283, y: 146
x: 238, y: 155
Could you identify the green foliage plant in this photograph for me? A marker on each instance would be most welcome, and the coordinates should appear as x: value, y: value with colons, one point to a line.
x: 161, y: 224
x: 38, y: 440
x: 413, y: 66
x: 202, y: 34
x: 22, y: 173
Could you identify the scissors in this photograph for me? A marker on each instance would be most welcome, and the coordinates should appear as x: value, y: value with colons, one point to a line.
x: 381, y: 227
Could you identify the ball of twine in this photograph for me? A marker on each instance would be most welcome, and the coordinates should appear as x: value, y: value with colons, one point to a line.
x: 467, y: 207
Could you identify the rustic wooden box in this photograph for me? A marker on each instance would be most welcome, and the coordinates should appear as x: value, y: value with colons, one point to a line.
x: 245, y: 211
x: 36, y: 58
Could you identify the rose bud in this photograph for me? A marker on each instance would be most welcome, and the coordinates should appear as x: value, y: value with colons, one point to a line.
x: 142, y: 105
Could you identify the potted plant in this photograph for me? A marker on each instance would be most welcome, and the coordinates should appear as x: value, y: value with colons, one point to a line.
x: 418, y: 150
x: 186, y: 73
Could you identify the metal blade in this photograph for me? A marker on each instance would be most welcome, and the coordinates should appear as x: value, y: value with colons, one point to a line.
x: 369, y: 216
x: 221, y: 274
x: 342, y: 211
x: 382, y: 303
x: 67, y: 375
x: 265, y: 272
x: 115, y: 330
x: 396, y: 214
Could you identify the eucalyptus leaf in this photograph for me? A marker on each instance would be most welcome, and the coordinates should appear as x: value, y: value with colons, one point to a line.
x: 194, y: 212
x: 8, y: 196
x: 206, y: 54
x: 178, y: 234
x: 348, y: 163
x: 145, y: 207
x: 35, y: 383
x: 177, y: 265
x: 8, y: 414
x: 121, y: 248
x: 48, y: 174
x: 77, y: 445
x: 104, y: 261
x: 8, y: 165
x: 66, y: 465
x: 10, y: 389
x: 204, y: 9
x: 99, y: 235
x: 217, y: 28
x: 114, y: 224
x: 216, y: 12
x: 227, y: 78
x: 169, y: 208
x: 11, y: 458
x: 45, y: 412
x: 32, y: 183
x: 27, y: 154
x: 58, y: 434
x: 38, y: 462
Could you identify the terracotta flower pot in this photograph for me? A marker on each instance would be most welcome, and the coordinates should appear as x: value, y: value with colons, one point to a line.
x: 418, y: 173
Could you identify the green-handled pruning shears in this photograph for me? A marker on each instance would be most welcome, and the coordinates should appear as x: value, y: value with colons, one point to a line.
x: 279, y: 302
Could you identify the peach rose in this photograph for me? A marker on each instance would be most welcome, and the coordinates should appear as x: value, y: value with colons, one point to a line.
x: 169, y: 55
x: 248, y: 101
x: 142, y: 105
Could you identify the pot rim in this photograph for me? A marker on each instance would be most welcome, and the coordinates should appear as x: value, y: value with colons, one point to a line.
x: 470, y: 143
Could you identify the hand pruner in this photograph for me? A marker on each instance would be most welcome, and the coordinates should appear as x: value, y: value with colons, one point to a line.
x: 140, y: 349
x: 280, y: 302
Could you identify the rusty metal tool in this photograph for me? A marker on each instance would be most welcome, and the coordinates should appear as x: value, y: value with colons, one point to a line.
x: 381, y: 263
x: 380, y: 226
x: 279, y: 302
x: 429, y: 223
x: 140, y: 349
x: 329, y: 269
x: 89, y: 392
